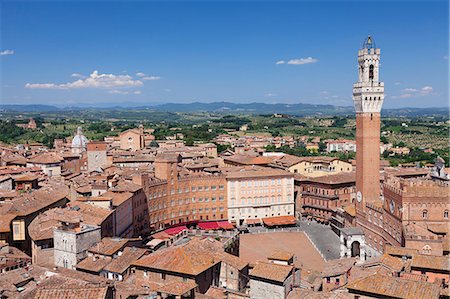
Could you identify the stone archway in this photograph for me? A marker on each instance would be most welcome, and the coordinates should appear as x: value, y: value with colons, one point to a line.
x: 356, y: 248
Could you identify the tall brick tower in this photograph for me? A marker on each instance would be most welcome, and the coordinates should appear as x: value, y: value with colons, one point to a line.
x: 368, y: 96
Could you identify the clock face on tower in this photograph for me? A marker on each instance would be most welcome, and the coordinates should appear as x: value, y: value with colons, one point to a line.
x: 359, y: 196
x: 392, y: 206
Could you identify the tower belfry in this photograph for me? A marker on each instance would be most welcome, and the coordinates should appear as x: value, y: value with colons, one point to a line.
x: 368, y: 96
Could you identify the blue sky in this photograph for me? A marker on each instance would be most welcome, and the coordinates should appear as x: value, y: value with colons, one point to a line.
x: 64, y: 52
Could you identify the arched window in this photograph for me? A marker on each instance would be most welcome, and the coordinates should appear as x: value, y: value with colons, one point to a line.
x: 446, y: 214
x: 371, y: 72
x: 425, y: 214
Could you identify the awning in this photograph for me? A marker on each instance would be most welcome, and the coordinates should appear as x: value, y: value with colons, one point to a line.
x: 175, y: 230
x: 279, y: 221
x: 225, y: 225
x: 253, y: 221
x: 208, y: 225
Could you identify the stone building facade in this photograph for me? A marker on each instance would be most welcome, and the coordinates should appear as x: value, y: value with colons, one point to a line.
x: 96, y: 155
x: 72, y: 242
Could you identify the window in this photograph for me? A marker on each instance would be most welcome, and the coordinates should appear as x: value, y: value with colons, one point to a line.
x: 425, y: 214
x: 371, y: 72
x: 446, y: 214
x: 328, y: 280
x: 163, y: 276
x: 221, y: 187
x: 337, y: 281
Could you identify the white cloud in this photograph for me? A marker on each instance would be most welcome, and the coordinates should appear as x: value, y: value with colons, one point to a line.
x: 280, y: 62
x: 151, y: 78
x: 115, y: 91
x: 167, y: 90
x: 95, y: 80
x: 300, y: 61
x: 324, y: 92
x: 270, y: 94
x: 139, y: 74
x: 77, y: 75
x: 446, y: 57
x: 397, y: 83
x: 408, y: 93
x: 6, y: 52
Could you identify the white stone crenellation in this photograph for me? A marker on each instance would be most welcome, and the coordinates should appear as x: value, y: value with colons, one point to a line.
x: 368, y: 92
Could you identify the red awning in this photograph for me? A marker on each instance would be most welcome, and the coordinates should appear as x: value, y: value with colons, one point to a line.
x: 225, y: 225
x: 280, y: 220
x: 175, y: 230
x: 208, y: 225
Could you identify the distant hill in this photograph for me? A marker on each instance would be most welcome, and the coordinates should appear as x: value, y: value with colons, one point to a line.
x: 256, y: 108
x: 299, y: 109
x: 29, y: 108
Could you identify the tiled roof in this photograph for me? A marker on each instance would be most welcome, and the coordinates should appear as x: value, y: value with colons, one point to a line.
x: 25, y: 177
x: 299, y: 293
x: 46, y: 158
x: 41, y: 228
x: 254, y: 172
x: 191, y: 258
x: 118, y: 198
x: 85, y: 292
x: 332, y: 179
x: 109, y: 246
x: 394, y: 287
x: 422, y: 261
x: 37, y: 200
x: 337, y: 266
x: 124, y: 261
x: 125, y: 186
x: 5, y: 222
x: 281, y: 255
x: 249, y: 160
x: 271, y: 271
x: 91, y: 214
x: 93, y: 263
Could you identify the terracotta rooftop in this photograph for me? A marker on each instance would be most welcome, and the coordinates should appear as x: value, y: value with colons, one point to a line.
x: 5, y: 222
x: 337, y: 267
x: 299, y: 293
x: 422, y: 261
x: 125, y: 186
x: 109, y: 246
x: 332, y: 179
x: 93, y: 264
x: 249, y: 160
x: 191, y: 258
x: 121, y: 263
x: 254, y: 172
x: 117, y: 198
x: 281, y: 255
x: 46, y: 158
x: 41, y: 228
x: 91, y: 214
x: 350, y: 209
x: 393, y: 263
x: 271, y: 271
x: 26, y: 177
x: 86, y: 292
x: 394, y: 287
x: 37, y: 200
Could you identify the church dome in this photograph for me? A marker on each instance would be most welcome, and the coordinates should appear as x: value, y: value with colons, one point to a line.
x: 79, y: 141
